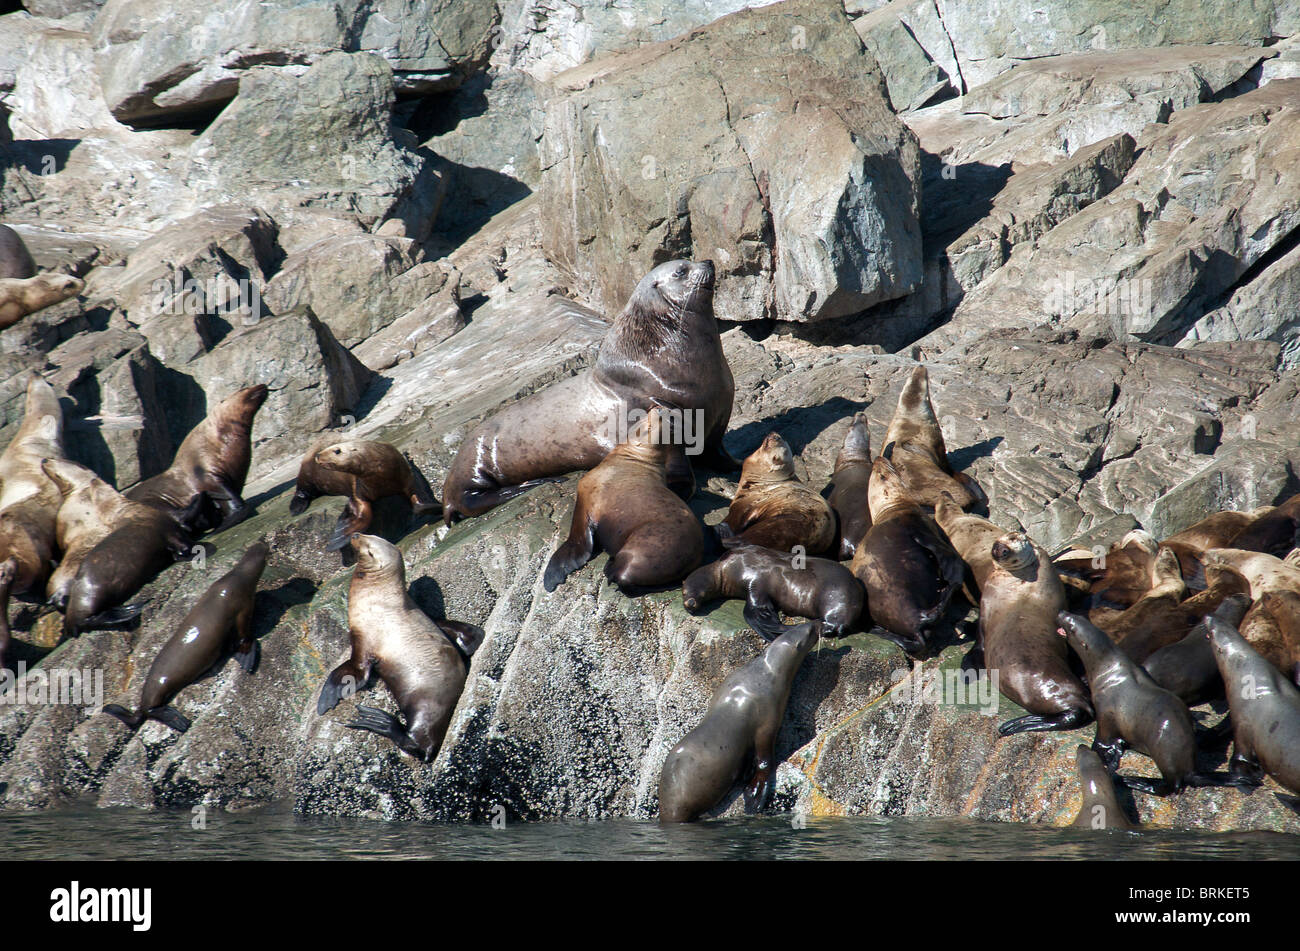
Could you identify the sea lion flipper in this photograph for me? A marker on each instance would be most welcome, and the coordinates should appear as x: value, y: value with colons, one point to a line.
x: 131, y: 719
x: 1033, y: 723
x: 115, y: 617
x: 466, y: 637
x: 248, y: 655
x: 343, y: 681
x: 970, y: 485
x: 762, y: 616
x: 374, y: 720
x: 354, y: 517
x: 577, y: 550
x: 171, y: 717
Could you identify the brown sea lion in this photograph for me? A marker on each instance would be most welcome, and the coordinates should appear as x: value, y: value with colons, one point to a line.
x: 1214, y: 531
x: 773, y: 508
x: 15, y: 260
x: 848, y: 494
x: 1133, y: 711
x: 740, y: 726
x: 1187, y: 668
x: 1019, y: 601
x: 29, y: 499
x: 370, y: 471
x: 144, y: 541
x: 1117, y: 578
x: 972, y: 536
x: 664, y: 347
x: 914, y: 443
x: 1101, y: 808
x: 213, y: 459
x: 624, y: 507
x: 20, y: 297
x: 422, y: 661
x: 219, y: 624
x: 87, y: 514
x: 1265, y: 711
x: 1275, y: 532
x: 770, y: 581
x: 905, y: 562
x: 1263, y: 572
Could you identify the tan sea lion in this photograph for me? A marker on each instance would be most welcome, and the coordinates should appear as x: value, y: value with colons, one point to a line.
x: 914, y: 443
x: 365, y: 471
x: 906, y: 564
x: 1263, y: 572
x: 15, y: 260
x: 664, y: 347
x: 773, y: 508
x: 89, y: 511
x: 1272, y: 628
x: 972, y: 536
x: 213, y: 459
x: 624, y: 507
x: 219, y: 624
x: 772, y: 581
x: 1116, y: 578
x: 1134, y: 712
x: 1265, y: 710
x: 1214, y: 531
x: 740, y: 726
x: 1101, y: 808
x: 1275, y: 532
x: 1019, y: 602
x: 422, y: 661
x: 848, y: 489
x: 20, y: 297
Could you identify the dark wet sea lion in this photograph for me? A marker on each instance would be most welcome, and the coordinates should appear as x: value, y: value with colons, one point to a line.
x: 1265, y: 710
x: 664, y: 347
x: 1019, y: 601
x: 15, y: 260
x: 1134, y: 712
x: 906, y: 564
x: 20, y: 297
x: 1275, y: 532
x: 769, y: 581
x: 1187, y: 668
x: 624, y: 507
x: 772, y: 508
x: 848, y: 489
x: 914, y: 443
x: 143, y: 544
x: 740, y: 726
x: 213, y: 459
x: 1101, y: 808
x: 413, y: 655
x: 370, y: 471
x: 219, y: 624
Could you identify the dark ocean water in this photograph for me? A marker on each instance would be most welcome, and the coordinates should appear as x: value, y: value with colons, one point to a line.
x: 104, y: 834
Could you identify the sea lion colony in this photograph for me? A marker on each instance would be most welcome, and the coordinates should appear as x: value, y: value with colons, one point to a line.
x: 887, y: 548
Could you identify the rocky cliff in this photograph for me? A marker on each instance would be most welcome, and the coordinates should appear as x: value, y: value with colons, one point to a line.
x: 402, y: 216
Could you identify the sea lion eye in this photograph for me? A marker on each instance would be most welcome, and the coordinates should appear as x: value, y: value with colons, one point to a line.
x: 680, y: 272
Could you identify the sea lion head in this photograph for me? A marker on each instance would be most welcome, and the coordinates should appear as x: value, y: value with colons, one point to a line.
x: 773, y: 461
x: 256, y: 555
x: 916, y: 393
x: 674, y: 287
x: 67, y: 475
x: 376, y: 556
x: 1014, y: 551
x: 341, y: 456
x: 857, y: 443
x: 1087, y: 640
x: 47, y: 289
x: 242, y: 405
x: 1231, y: 651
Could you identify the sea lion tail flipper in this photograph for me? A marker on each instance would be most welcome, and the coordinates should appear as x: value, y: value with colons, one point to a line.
x: 421, y: 509
x: 577, y: 550
x: 762, y: 616
x: 248, y: 654
x: 115, y: 617
x: 351, y: 520
x: 466, y: 637
x: 171, y: 717
x: 374, y: 720
x: 478, y: 501
x: 343, y: 681
x: 974, y: 488
x: 132, y: 720
x: 727, y: 536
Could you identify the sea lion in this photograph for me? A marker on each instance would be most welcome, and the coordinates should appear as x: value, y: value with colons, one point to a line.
x: 624, y: 507
x: 15, y: 260
x: 770, y: 581
x: 1272, y: 628
x: 972, y: 536
x: 773, y: 508
x: 422, y: 661
x: 1133, y: 711
x: 663, y: 347
x: 144, y: 541
x: 742, y: 723
x: 87, y: 514
x: 1275, y: 532
x: 20, y: 297
x: 1156, y: 619
x: 1265, y: 711
x: 213, y: 459
x: 1101, y: 808
x: 1214, y: 531
x: 848, y: 488
x: 1117, y: 578
x: 29, y: 499
x: 219, y: 624
x: 1187, y: 667
x: 905, y: 562
x: 1263, y: 572
x: 1019, y: 601
x: 914, y: 443
x: 365, y: 471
